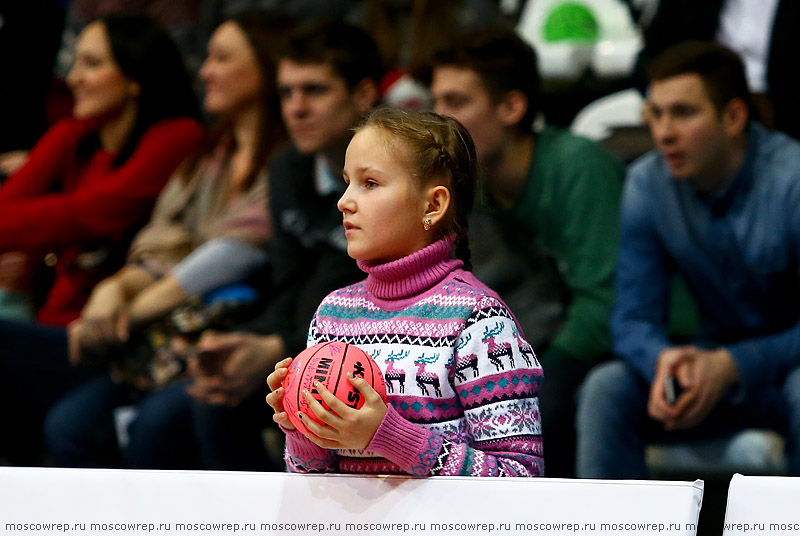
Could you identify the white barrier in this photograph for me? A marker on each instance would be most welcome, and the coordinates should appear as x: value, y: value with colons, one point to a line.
x: 762, y: 505
x: 114, y: 501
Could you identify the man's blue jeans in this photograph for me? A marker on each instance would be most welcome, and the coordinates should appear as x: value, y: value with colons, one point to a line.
x: 614, y: 428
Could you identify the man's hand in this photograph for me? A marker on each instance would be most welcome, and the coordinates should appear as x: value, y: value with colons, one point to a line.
x: 244, y: 361
x: 711, y: 375
x: 674, y: 362
x: 704, y: 375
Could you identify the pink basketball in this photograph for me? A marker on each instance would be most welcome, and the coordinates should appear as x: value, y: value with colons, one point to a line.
x: 328, y: 363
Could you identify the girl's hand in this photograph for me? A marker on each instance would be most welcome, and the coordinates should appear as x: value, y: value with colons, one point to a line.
x: 275, y: 398
x: 348, y: 428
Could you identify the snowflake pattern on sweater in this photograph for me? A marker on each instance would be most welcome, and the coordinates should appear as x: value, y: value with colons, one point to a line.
x: 461, y: 381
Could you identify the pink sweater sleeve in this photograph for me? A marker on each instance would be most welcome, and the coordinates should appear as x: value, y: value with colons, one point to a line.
x: 303, y: 456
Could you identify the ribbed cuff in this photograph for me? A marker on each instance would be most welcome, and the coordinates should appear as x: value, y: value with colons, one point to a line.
x: 400, y: 441
x: 301, y: 447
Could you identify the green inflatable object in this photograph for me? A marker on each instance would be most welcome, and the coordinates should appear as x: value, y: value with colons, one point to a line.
x: 571, y: 21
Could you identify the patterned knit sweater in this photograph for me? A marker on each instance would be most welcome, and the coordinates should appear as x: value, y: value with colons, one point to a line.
x: 461, y: 381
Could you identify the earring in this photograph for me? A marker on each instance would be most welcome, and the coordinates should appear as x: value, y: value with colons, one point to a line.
x: 426, y: 224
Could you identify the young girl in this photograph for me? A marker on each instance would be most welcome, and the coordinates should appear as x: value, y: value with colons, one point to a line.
x: 462, y: 383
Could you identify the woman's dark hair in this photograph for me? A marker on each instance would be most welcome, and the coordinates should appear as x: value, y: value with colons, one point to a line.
x: 145, y: 53
x: 267, y: 31
x: 439, y: 149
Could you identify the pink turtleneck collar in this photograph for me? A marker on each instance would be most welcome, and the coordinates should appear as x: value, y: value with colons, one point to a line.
x: 413, y: 274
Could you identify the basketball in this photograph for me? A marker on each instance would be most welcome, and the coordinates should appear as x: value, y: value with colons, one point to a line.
x: 328, y: 363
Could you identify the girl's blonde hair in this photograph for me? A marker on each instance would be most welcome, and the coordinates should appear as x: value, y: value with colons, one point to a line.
x: 439, y: 149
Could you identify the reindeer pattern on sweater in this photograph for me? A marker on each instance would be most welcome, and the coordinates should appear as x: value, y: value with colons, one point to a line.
x: 461, y: 381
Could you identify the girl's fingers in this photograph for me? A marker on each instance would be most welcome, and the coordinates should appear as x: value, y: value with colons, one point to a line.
x: 325, y: 435
x: 336, y: 405
x: 275, y: 379
x: 321, y: 413
x: 275, y: 399
x: 324, y: 443
x: 282, y: 418
x: 367, y: 391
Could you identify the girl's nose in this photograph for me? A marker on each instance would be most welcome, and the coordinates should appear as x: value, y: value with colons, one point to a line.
x: 345, y: 204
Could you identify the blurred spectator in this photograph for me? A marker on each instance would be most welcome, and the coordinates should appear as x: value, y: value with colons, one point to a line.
x: 191, y: 22
x: 716, y: 202
x: 87, y: 186
x: 303, y: 10
x: 762, y: 32
x: 209, y: 229
x: 555, y: 197
x: 407, y: 33
x: 91, y: 180
x: 178, y: 17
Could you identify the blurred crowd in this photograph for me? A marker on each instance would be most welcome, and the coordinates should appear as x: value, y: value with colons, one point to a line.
x: 169, y: 177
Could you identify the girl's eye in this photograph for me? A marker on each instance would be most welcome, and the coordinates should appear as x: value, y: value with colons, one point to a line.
x: 369, y: 184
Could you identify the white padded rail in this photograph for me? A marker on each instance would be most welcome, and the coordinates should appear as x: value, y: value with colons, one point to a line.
x: 34, y: 501
x: 762, y: 505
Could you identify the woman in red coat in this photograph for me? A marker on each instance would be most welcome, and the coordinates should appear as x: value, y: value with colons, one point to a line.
x: 87, y: 186
x: 91, y: 181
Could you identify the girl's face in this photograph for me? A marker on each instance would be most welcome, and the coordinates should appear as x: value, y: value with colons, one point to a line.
x: 231, y: 72
x: 383, y: 206
x: 98, y: 85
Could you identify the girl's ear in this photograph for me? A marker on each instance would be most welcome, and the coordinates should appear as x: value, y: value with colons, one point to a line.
x: 438, y: 201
